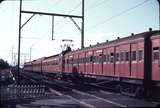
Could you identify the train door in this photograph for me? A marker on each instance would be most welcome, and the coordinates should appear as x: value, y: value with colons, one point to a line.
x: 97, y: 66
x: 110, y: 63
x: 134, y: 65
x: 105, y: 62
x: 156, y: 58
x: 61, y: 63
x: 117, y: 61
x: 140, y: 60
x: 156, y: 63
x: 75, y: 62
x: 70, y: 62
x: 89, y: 62
x: 81, y: 62
x: 66, y: 67
x: 125, y: 60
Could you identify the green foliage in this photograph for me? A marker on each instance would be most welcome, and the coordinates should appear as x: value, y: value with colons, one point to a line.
x: 3, y: 64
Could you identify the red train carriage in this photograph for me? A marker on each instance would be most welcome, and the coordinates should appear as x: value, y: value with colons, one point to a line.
x: 128, y: 59
x: 51, y: 64
x: 37, y: 65
x: 156, y: 57
x: 28, y: 66
x: 134, y: 60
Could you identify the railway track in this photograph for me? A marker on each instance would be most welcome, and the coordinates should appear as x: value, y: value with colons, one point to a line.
x: 90, y: 96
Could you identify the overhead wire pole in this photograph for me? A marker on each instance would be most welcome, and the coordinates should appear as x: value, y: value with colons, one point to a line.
x: 82, y: 38
x: 50, y: 14
x: 52, y: 27
x: 19, y: 41
x: 159, y: 12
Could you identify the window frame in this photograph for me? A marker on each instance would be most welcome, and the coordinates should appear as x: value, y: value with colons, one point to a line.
x: 127, y: 56
x: 157, y: 51
x: 134, y: 55
x: 140, y: 55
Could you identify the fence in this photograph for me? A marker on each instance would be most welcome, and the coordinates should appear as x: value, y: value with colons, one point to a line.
x: 21, y: 91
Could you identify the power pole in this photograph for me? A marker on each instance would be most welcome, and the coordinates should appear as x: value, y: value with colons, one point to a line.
x: 30, y: 52
x: 19, y: 41
x: 159, y: 12
x: 47, y: 14
x: 82, y: 38
x: 12, y: 48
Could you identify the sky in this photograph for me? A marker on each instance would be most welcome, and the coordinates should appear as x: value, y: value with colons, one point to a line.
x: 104, y: 20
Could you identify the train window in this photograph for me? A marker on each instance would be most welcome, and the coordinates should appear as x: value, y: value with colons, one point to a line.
x: 108, y: 58
x: 97, y: 58
x: 67, y: 61
x: 134, y: 56
x: 64, y: 61
x: 155, y: 48
x: 103, y: 58
x: 126, y: 56
x: 121, y: 56
x: 84, y: 60
x: 91, y: 58
x: 156, y: 53
x: 100, y: 59
x: 140, y: 55
x: 70, y: 61
x: 74, y: 61
x: 80, y: 60
x: 77, y: 61
x: 87, y: 60
x: 112, y: 57
x: 117, y: 57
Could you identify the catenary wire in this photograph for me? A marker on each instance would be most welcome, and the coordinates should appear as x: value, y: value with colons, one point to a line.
x: 119, y: 14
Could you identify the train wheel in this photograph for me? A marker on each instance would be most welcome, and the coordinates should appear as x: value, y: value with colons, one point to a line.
x: 139, y: 93
x: 118, y: 88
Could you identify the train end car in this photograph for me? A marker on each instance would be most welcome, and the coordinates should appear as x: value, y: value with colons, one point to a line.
x: 51, y: 64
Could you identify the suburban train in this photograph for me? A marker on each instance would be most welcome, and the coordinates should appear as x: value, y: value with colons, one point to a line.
x: 131, y: 63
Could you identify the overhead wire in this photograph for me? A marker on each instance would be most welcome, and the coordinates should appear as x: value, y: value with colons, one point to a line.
x: 42, y: 37
x: 69, y: 12
x: 95, y: 4
x: 57, y: 2
x: 75, y: 7
x: 119, y: 14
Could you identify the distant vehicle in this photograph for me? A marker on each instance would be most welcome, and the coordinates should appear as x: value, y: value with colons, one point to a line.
x: 131, y: 62
x: 6, y: 77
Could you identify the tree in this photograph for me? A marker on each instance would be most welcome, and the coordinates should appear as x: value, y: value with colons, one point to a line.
x: 3, y: 64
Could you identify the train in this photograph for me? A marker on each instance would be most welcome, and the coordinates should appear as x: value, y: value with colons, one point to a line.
x: 132, y: 62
